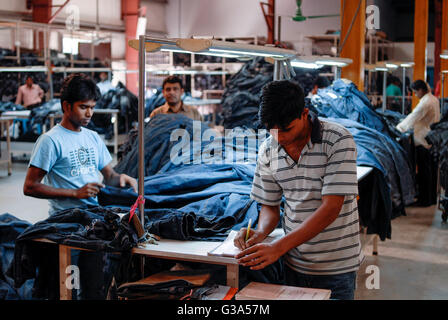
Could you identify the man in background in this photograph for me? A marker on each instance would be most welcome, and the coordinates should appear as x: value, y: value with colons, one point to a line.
x: 320, y: 83
x: 172, y: 90
x: 393, y: 89
x: 30, y: 94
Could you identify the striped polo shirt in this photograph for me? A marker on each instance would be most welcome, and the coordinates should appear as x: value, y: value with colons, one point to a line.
x: 327, y: 166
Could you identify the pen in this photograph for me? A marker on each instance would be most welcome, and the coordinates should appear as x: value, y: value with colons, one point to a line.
x: 248, y: 229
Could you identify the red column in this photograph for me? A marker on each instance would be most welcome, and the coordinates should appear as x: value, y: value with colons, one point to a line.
x: 41, y: 13
x: 129, y: 11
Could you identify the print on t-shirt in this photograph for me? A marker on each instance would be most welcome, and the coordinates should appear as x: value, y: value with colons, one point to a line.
x: 82, y: 161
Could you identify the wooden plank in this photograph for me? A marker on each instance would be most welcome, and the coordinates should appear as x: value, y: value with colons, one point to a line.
x: 354, y: 45
x: 196, y: 251
x: 233, y: 275
x: 420, y: 42
x: 64, y: 262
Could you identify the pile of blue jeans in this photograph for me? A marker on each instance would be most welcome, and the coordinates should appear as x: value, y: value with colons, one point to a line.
x: 91, y: 227
x: 203, y: 183
x: 379, y: 145
x: 438, y: 139
x: 10, y: 228
x: 242, y: 94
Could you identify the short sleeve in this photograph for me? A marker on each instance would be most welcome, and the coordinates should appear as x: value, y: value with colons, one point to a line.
x: 265, y: 189
x: 104, y: 157
x: 44, y: 154
x: 340, y: 173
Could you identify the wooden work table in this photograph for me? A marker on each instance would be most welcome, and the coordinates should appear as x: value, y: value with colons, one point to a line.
x: 193, y: 251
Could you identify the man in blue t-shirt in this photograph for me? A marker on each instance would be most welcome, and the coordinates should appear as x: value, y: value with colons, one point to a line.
x: 69, y: 157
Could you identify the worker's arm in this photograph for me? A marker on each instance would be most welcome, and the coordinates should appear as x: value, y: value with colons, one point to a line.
x: 19, y: 96
x: 267, y: 221
x: 34, y: 188
x: 263, y: 254
x: 416, y: 115
x: 114, y: 179
x: 41, y: 92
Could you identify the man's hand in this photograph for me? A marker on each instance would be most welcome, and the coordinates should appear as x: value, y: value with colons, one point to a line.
x: 127, y: 180
x: 259, y: 256
x: 89, y: 190
x: 254, y: 238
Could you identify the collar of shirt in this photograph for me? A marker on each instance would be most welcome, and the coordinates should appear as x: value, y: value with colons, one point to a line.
x: 167, y: 108
x: 316, y: 136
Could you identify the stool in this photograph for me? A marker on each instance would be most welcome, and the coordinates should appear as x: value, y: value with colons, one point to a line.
x: 24, y: 123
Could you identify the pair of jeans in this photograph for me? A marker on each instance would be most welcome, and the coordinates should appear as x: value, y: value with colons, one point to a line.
x: 342, y: 286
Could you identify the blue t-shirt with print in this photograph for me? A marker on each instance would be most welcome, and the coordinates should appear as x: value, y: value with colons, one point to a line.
x: 71, y: 160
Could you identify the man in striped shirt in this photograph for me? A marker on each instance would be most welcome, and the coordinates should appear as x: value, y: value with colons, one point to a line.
x: 312, y: 165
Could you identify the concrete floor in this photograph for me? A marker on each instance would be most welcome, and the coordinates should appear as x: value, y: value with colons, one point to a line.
x: 413, y: 265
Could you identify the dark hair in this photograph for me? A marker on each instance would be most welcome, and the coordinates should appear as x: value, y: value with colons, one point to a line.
x: 172, y: 79
x: 281, y: 103
x: 79, y: 87
x: 419, y: 84
x: 321, y: 82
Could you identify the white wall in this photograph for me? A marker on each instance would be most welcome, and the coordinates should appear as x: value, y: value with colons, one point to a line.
x: 16, y: 5
x: 109, y: 11
x: 404, y: 51
x: 241, y: 18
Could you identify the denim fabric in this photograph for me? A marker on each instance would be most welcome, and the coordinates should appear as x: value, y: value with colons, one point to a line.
x: 345, y: 101
x: 92, y: 227
x: 208, y: 200
x: 10, y: 106
x: 157, y: 144
x: 242, y: 95
x: 381, y: 152
x: 10, y: 228
x: 374, y: 205
x: 158, y: 147
x: 438, y: 138
x: 342, y: 286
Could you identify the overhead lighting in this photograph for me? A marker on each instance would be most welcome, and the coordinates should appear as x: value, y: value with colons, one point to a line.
x: 332, y: 63
x: 305, y: 65
x: 223, y: 55
x: 407, y: 64
x: 381, y: 69
x: 252, y: 53
x: 390, y: 65
x: 444, y: 54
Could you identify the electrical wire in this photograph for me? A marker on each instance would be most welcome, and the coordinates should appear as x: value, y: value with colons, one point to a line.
x: 351, y: 24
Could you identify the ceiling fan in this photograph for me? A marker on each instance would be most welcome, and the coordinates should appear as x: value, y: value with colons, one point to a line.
x: 300, y: 17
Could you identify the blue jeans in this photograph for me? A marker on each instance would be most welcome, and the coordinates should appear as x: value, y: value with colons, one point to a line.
x: 342, y: 286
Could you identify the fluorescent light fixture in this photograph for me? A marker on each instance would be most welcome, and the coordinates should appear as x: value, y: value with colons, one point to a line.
x: 407, y: 64
x: 332, y: 63
x: 306, y: 65
x: 252, y: 53
x: 390, y: 65
x: 381, y: 69
x: 444, y: 54
x: 186, y: 72
x: 224, y: 55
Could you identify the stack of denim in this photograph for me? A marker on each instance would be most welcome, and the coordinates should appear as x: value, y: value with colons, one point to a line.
x: 379, y: 145
x: 242, y: 95
x: 438, y: 139
x: 10, y: 228
x: 202, y: 183
x: 9, y: 106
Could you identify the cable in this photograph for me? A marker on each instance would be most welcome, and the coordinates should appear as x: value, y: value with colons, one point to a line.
x: 351, y: 24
